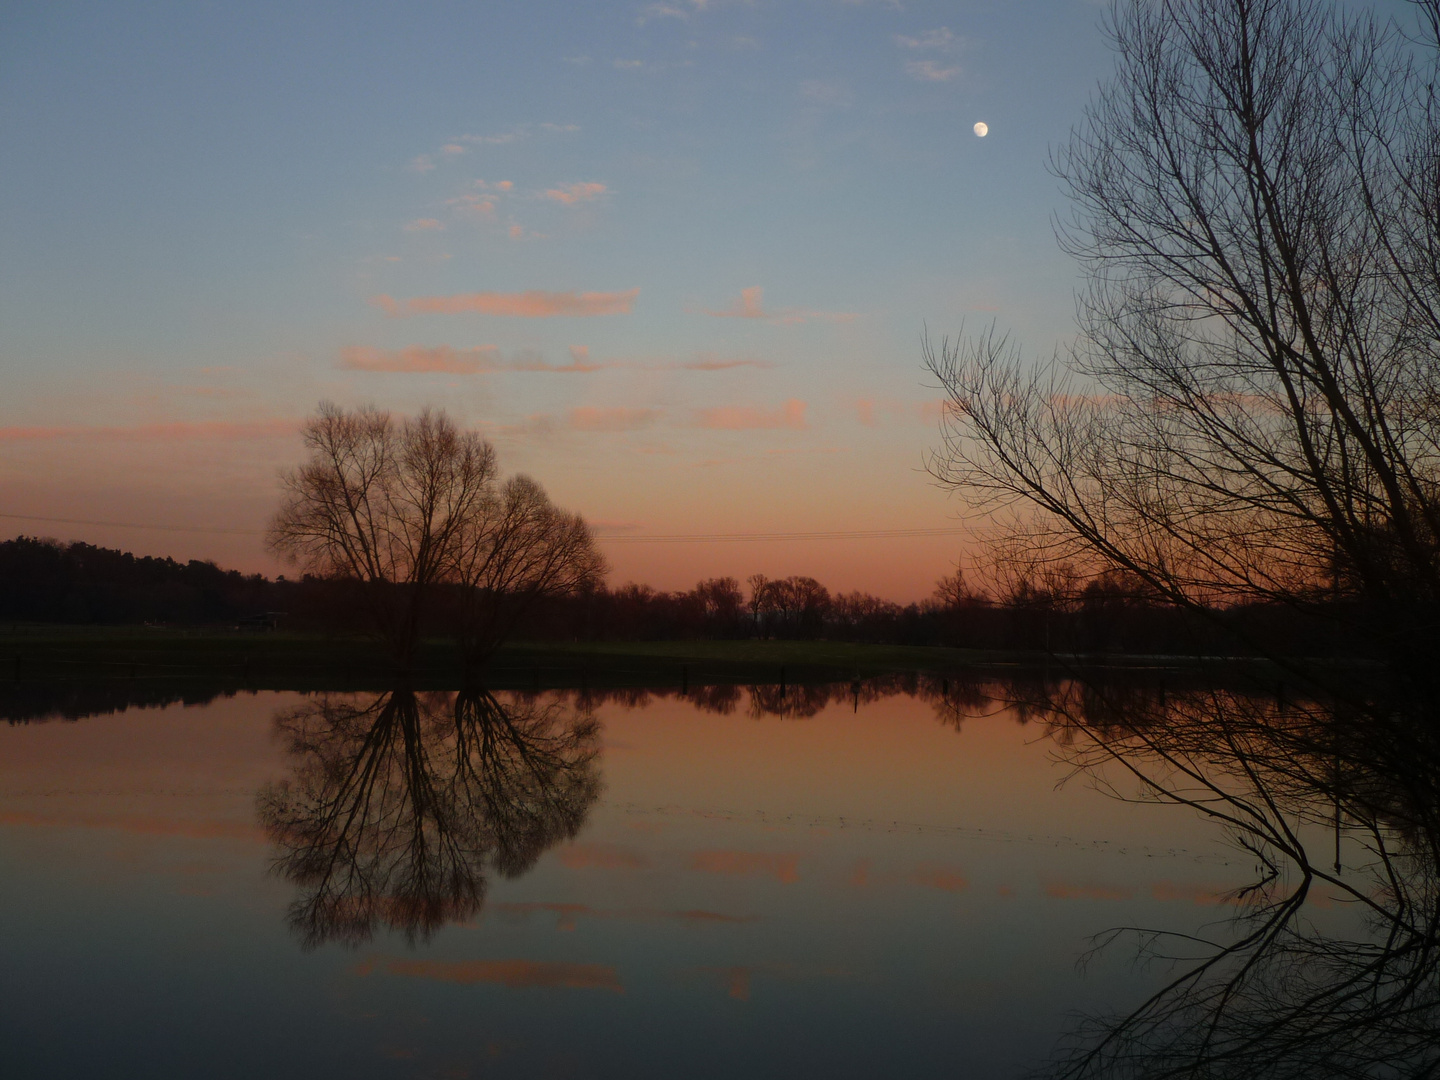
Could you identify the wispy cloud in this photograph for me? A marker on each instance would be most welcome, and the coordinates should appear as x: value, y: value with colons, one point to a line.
x: 570, y: 194
x: 940, y: 40
x: 782, y: 867
x: 751, y: 305
x: 944, y: 878
x: 706, y: 361
x: 473, y: 204
x: 791, y: 414
x: 931, y: 70
x: 533, y: 304
x: 601, y: 857
x: 471, y: 361
x: 1203, y: 895
x: 175, y: 431
x: 660, y: 11
x: 567, y: 915
x: 589, y: 418
x: 462, y: 144
x: 1087, y: 892
x: 826, y: 92
x: 516, y: 974
x: 424, y: 224
x: 418, y: 358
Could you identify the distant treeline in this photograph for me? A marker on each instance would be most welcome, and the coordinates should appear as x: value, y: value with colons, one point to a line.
x: 955, y: 697
x: 42, y: 581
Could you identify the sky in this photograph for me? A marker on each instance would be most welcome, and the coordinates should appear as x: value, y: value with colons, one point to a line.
x: 675, y: 260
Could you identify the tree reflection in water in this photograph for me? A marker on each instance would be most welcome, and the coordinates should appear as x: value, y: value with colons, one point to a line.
x: 402, y: 803
x: 1269, y: 993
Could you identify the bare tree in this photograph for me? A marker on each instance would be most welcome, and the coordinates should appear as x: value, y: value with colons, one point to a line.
x: 386, y: 504
x: 1250, y: 411
x: 526, y: 550
x: 413, y: 510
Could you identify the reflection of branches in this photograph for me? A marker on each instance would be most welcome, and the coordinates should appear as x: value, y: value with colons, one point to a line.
x: 399, y: 806
x: 954, y: 697
x: 1276, y: 996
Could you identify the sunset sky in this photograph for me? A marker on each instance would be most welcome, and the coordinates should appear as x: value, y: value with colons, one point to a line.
x: 675, y: 260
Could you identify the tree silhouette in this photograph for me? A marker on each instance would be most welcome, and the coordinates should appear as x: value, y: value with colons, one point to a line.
x: 1272, y: 994
x: 401, y: 805
x: 1250, y: 413
x: 412, y: 513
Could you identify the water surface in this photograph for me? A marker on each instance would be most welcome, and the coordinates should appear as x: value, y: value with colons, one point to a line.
x: 730, y: 883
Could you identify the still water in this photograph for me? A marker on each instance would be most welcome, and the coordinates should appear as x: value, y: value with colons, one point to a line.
x: 722, y: 884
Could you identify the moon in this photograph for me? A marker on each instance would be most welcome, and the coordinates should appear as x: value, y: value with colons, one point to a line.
x: 982, y: 129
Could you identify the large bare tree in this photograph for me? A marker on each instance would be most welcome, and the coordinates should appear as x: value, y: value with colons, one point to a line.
x: 1250, y: 411
x: 413, y: 511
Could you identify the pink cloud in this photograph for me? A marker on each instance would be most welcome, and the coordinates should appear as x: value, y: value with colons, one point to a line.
x: 1086, y: 892
x: 533, y: 304
x: 711, y: 362
x: 1202, y: 895
x: 424, y: 224
x: 176, y: 431
x: 423, y: 163
x: 945, y: 878
x: 567, y: 916
x: 588, y: 418
x: 452, y: 149
x: 471, y: 361
x: 751, y: 305
x: 791, y: 414
x: 417, y: 358
x: 515, y: 974
x: 601, y: 857
x: 472, y: 205
x: 932, y: 411
x: 865, y: 412
x: 782, y: 867
x: 570, y: 194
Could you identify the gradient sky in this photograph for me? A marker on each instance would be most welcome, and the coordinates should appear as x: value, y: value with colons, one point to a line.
x: 674, y: 259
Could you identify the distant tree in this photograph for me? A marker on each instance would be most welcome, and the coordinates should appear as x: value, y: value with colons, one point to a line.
x: 721, y: 605
x: 759, y: 601
x: 863, y: 617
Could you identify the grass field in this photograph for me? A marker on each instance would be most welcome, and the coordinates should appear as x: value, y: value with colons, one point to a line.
x: 293, y: 661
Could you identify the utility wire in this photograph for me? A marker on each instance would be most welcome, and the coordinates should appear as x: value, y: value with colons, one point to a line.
x: 132, y: 525
x: 659, y: 538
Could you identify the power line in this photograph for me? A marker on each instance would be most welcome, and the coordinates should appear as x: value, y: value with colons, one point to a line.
x: 132, y: 525
x: 658, y: 538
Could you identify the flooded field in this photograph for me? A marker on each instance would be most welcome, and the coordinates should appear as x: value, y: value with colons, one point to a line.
x: 731, y: 882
